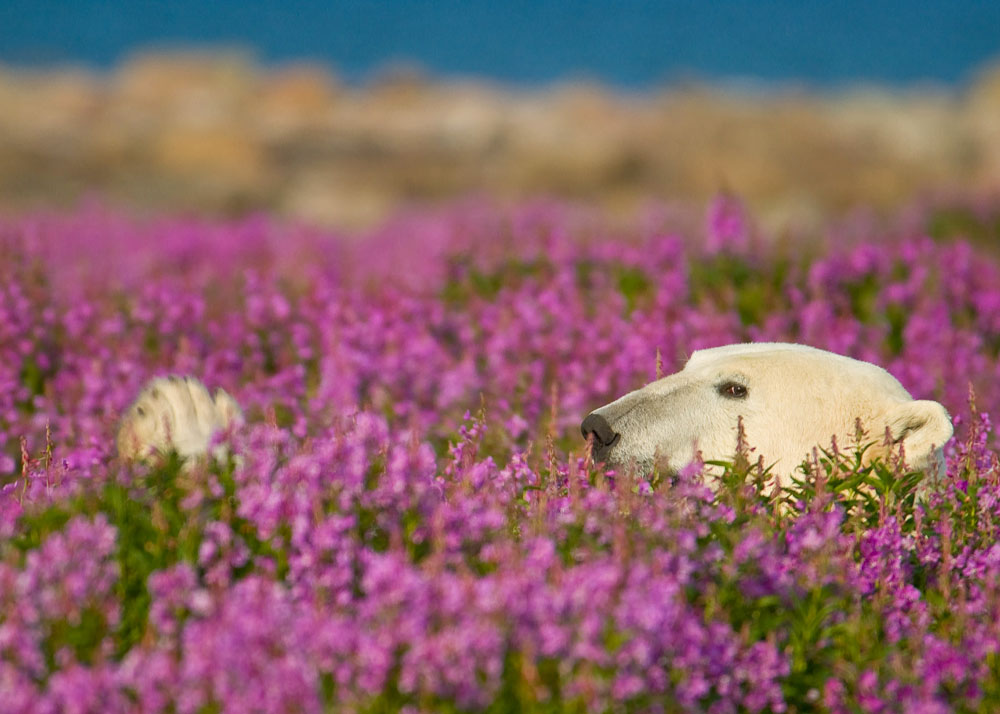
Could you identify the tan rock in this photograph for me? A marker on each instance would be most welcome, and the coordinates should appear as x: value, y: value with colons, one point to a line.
x: 216, y: 133
x: 294, y: 100
x: 225, y: 154
x: 983, y: 120
x: 187, y: 88
x: 327, y: 199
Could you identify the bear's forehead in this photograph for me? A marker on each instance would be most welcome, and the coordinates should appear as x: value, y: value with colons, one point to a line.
x: 757, y: 348
x: 769, y: 356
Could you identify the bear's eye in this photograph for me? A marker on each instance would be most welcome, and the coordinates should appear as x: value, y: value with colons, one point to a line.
x: 733, y: 390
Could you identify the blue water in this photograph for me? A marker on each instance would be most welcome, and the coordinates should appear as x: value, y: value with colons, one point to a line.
x: 629, y: 43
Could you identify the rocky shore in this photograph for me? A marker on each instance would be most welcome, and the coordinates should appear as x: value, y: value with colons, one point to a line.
x: 219, y: 134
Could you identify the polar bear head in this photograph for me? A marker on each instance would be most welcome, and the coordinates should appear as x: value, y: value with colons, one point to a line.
x: 791, y: 399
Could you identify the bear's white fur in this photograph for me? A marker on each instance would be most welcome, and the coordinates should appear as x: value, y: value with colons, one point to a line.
x: 175, y: 414
x: 797, y: 398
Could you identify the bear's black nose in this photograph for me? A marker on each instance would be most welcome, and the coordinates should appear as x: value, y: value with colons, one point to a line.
x: 597, y: 425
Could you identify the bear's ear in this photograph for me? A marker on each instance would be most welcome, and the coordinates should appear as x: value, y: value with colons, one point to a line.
x: 922, y: 426
x: 228, y: 410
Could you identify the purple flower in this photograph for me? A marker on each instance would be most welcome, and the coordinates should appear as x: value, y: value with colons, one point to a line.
x: 409, y: 519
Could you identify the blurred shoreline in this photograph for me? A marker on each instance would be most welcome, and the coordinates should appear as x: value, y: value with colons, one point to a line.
x: 217, y: 134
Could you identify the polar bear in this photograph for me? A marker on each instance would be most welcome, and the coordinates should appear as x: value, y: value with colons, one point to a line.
x: 791, y: 399
x: 175, y: 414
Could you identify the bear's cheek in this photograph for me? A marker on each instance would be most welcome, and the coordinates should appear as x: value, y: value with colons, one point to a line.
x: 667, y: 441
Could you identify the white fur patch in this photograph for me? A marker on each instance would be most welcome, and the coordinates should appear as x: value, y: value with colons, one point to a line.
x: 175, y: 414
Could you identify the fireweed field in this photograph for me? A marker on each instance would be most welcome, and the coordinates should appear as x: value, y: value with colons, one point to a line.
x: 409, y: 521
